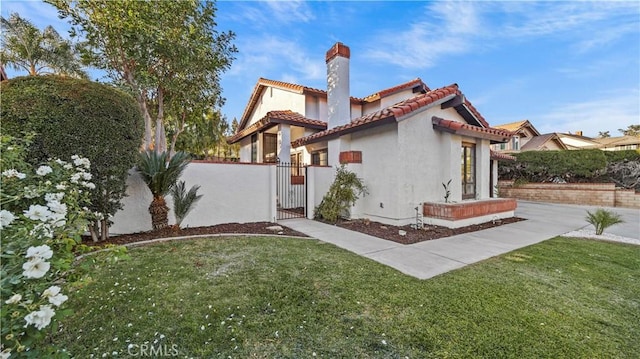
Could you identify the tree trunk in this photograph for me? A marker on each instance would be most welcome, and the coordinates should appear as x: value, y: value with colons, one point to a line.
x: 161, y: 138
x: 159, y: 213
x: 179, y: 130
x: 141, y: 98
x: 93, y: 229
x: 104, y: 229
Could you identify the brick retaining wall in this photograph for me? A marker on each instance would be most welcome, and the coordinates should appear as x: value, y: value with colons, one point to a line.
x: 595, y: 194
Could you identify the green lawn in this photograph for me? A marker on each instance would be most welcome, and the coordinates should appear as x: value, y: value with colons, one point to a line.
x: 291, y: 298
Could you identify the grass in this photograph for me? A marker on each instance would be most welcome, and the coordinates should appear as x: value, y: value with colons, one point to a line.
x: 265, y: 297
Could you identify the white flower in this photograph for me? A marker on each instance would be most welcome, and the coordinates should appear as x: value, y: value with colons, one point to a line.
x: 81, y: 161
x: 5, y: 354
x: 6, y: 218
x: 54, y: 296
x: 43, y: 251
x: 35, y: 268
x: 67, y: 166
x: 31, y: 192
x: 61, y: 187
x: 60, y: 162
x: 75, y: 177
x: 58, y: 196
x: 86, y: 176
x: 57, y: 207
x: 13, y: 173
x: 40, y: 318
x: 89, y: 185
x: 43, y: 170
x: 37, y: 212
x: 14, y: 299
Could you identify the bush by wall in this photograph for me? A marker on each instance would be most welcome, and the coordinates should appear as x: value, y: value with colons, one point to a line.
x: 580, y: 166
x: 72, y: 116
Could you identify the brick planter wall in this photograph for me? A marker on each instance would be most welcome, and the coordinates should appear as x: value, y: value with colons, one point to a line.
x: 464, y: 210
x: 594, y: 194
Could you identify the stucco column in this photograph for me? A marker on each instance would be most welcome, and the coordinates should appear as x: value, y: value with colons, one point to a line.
x: 284, y: 143
x: 483, y: 169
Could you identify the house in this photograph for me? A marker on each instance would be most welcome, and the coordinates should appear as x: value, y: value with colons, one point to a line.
x: 576, y: 141
x: 527, y: 138
x: 405, y: 142
x: 618, y: 143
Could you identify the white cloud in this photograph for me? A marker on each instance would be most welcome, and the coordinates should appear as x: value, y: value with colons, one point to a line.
x: 452, y: 28
x: 259, y: 56
x: 290, y: 11
x: 272, y: 13
x: 616, y: 110
x: 447, y: 28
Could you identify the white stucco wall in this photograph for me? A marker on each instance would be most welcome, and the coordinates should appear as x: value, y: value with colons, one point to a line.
x: 319, y: 179
x: 231, y: 193
x: 405, y: 164
x: 274, y: 99
x: 380, y: 170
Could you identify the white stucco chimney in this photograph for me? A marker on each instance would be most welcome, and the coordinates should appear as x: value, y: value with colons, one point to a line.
x: 338, y: 100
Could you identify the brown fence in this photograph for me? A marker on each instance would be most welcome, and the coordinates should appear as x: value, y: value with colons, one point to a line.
x: 594, y: 194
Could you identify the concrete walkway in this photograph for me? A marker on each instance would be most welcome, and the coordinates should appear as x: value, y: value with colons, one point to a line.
x: 431, y: 258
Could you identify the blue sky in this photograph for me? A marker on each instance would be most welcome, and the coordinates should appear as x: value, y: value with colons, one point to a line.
x: 565, y: 66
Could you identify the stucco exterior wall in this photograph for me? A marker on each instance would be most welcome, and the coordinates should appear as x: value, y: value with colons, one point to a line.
x: 380, y: 172
x: 319, y: 179
x: 404, y: 164
x: 274, y: 99
x: 231, y: 193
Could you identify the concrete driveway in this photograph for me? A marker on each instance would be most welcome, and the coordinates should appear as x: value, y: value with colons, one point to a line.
x: 430, y: 258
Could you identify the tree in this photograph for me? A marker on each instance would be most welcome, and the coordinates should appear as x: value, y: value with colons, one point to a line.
x: 77, y: 117
x: 631, y: 130
x: 160, y: 174
x: 25, y: 47
x: 168, y: 52
x: 604, y: 134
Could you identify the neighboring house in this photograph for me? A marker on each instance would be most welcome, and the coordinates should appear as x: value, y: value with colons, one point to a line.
x: 618, y: 143
x: 527, y: 138
x: 576, y: 141
x: 405, y: 142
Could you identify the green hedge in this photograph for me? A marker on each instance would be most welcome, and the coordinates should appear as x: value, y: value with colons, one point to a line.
x: 72, y: 116
x: 572, y: 166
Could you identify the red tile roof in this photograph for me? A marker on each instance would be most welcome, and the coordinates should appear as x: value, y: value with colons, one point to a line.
x: 471, y: 130
x: 390, y: 91
x: 386, y: 115
x: 262, y: 83
x: 275, y: 117
x: 501, y: 156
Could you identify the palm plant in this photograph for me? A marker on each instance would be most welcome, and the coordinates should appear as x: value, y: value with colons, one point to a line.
x: 183, y: 200
x: 160, y: 174
x: 602, y: 219
x: 25, y: 47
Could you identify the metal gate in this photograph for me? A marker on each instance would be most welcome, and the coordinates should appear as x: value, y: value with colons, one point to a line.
x: 291, y: 190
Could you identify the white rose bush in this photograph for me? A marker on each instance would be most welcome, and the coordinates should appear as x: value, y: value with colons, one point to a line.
x: 41, y: 221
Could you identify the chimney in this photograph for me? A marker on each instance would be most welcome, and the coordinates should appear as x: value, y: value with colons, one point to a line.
x: 579, y: 133
x: 338, y: 99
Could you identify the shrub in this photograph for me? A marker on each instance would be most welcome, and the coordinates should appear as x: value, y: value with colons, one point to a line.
x: 343, y: 193
x: 72, y: 116
x: 594, y: 166
x: 183, y: 200
x: 602, y: 219
x: 41, y: 221
x: 160, y: 174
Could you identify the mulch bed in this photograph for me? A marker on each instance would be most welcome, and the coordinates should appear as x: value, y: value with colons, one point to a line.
x: 375, y: 229
x: 390, y: 233
x: 241, y: 228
